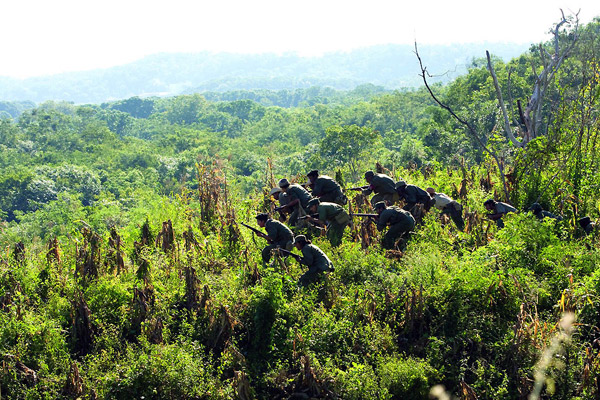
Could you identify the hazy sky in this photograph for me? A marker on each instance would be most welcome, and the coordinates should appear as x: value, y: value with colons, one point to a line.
x: 41, y: 37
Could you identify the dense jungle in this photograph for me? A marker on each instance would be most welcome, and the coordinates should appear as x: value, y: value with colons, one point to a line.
x: 125, y: 271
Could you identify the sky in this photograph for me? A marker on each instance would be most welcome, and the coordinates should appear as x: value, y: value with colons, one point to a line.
x: 42, y: 37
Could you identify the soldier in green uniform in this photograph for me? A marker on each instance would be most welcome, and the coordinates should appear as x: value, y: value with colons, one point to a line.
x: 331, y: 215
x: 413, y: 195
x: 326, y: 188
x: 540, y: 213
x: 498, y: 210
x: 297, y: 200
x: 278, y: 235
x: 383, y: 186
x: 400, y: 223
x: 587, y: 225
x: 314, y: 258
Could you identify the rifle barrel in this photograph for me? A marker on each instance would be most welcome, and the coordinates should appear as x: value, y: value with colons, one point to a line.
x: 363, y: 215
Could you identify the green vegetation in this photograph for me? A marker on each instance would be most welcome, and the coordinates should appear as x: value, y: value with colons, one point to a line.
x: 125, y: 273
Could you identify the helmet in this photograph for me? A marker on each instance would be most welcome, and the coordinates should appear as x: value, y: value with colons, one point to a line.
x: 275, y: 190
x: 369, y: 174
x: 313, y: 202
x: 380, y: 204
x: 283, y: 183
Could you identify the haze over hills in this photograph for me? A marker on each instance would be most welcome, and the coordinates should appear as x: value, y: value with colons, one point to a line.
x: 167, y: 74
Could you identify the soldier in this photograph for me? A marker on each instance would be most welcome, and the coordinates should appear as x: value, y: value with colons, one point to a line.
x: 297, y: 200
x: 383, y: 186
x: 413, y: 195
x: 400, y: 222
x: 326, y: 188
x: 499, y: 209
x: 278, y: 235
x: 314, y: 258
x: 540, y: 213
x: 448, y: 206
x: 331, y: 214
x: 587, y: 225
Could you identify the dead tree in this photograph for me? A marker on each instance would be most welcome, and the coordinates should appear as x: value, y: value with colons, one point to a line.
x: 531, y: 116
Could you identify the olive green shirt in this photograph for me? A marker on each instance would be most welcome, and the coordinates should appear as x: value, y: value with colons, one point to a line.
x: 381, y: 183
x: 278, y: 232
x: 325, y: 185
x: 328, y: 211
x: 394, y: 215
x: 296, y: 191
x: 314, y: 258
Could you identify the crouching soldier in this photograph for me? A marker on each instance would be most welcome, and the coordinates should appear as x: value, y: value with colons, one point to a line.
x: 400, y: 223
x: 447, y: 206
x: 412, y: 195
x: 297, y: 200
x: 314, y: 258
x: 326, y: 188
x: 498, y: 210
x: 383, y: 186
x: 330, y: 215
x: 540, y: 213
x: 278, y: 235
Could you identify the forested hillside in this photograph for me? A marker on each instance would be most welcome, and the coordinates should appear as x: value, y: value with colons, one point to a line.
x: 126, y: 272
x: 391, y: 66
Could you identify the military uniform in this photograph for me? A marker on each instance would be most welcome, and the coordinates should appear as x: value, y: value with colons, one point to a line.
x: 328, y: 190
x: 540, y: 213
x: 400, y: 222
x: 317, y: 263
x: 384, y: 188
x: 413, y: 195
x: 280, y: 235
x: 337, y: 219
x: 294, y: 192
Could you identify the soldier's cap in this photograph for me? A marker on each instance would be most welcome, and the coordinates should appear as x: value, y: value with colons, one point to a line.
x: 283, y: 183
x: 275, y: 190
x: 585, y: 221
x: 536, y: 208
x: 262, y: 216
x: 313, y: 202
x: 489, y: 202
x: 314, y: 172
x: 301, y: 239
x: 369, y: 174
x: 380, y: 204
x: 400, y: 184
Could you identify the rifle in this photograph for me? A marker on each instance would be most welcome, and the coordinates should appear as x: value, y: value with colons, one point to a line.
x: 289, y: 253
x: 364, y: 215
x: 309, y: 215
x: 259, y: 233
x: 358, y: 188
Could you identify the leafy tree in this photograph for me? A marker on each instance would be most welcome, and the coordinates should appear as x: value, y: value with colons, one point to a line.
x: 348, y: 145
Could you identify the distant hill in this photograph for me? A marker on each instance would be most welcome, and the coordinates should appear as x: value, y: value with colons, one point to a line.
x: 167, y: 74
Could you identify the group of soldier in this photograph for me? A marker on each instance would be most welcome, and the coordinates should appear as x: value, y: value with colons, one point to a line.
x: 323, y: 208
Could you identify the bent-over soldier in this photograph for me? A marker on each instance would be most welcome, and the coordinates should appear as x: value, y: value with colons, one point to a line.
x: 400, y: 223
x: 326, y: 188
x: 278, y: 235
x: 314, y: 258
x: 498, y: 210
x: 413, y: 195
x: 297, y: 200
x: 540, y: 213
x: 331, y: 215
x: 448, y: 206
x: 383, y: 186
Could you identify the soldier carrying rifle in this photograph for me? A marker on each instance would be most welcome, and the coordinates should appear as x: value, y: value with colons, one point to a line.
x: 330, y: 215
x: 383, y: 186
x: 278, y: 235
x: 326, y: 188
x: 297, y: 200
x: 313, y: 257
x: 400, y: 223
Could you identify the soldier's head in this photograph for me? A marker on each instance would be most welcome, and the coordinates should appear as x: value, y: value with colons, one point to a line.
x: 431, y: 191
x: 400, y: 187
x: 489, y: 204
x: 275, y: 192
x: 261, y: 219
x: 300, y: 241
x: 313, y: 175
x: 380, y: 206
x: 369, y: 176
x: 284, y: 184
x: 313, y: 205
x: 535, y: 208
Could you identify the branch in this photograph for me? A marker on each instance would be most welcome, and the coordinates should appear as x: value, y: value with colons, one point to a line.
x: 470, y: 128
x: 507, y: 129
